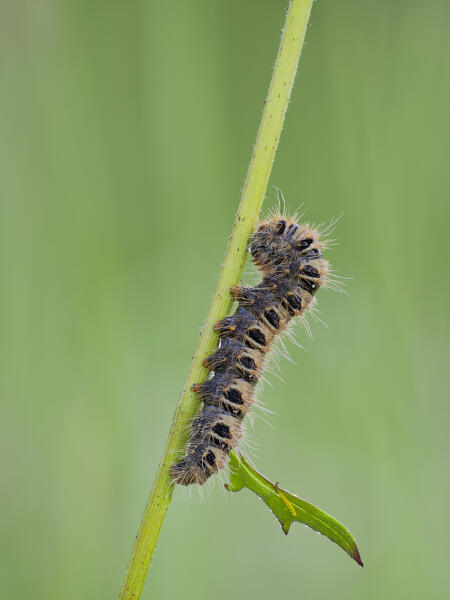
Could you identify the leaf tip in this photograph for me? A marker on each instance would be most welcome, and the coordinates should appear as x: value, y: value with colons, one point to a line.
x: 285, y: 526
x: 357, y: 557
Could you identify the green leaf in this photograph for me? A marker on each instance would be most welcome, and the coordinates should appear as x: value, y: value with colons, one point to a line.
x: 289, y: 508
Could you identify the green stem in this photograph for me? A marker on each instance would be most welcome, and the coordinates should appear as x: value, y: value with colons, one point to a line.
x: 246, y: 218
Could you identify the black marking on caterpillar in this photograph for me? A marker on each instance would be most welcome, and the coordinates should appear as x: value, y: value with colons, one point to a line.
x: 289, y: 256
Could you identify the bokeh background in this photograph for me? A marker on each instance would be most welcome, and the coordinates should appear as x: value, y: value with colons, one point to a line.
x: 125, y: 134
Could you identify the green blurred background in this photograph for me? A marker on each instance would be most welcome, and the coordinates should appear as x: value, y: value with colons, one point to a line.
x: 125, y: 134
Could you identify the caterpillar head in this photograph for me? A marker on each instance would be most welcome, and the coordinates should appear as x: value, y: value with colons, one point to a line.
x: 279, y: 240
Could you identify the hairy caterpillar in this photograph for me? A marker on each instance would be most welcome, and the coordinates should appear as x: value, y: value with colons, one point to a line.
x: 289, y: 256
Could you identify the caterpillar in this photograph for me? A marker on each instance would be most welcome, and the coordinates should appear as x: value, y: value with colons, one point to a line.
x: 289, y: 256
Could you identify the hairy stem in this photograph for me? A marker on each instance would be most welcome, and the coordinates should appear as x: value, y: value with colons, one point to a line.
x: 248, y: 212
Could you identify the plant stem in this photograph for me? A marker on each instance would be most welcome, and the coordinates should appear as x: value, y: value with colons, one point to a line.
x: 246, y: 218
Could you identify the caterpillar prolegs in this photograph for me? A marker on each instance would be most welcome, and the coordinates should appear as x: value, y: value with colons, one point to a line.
x: 289, y: 256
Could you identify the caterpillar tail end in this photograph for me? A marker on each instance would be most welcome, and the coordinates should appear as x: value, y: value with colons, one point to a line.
x: 185, y: 472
